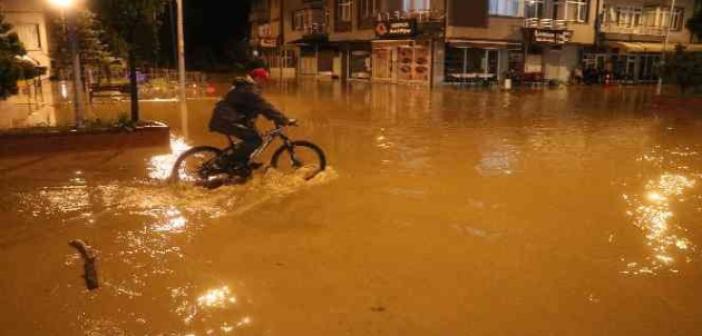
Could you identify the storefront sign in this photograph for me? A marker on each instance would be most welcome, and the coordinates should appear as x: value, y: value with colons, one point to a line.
x: 546, y: 36
x: 395, y: 29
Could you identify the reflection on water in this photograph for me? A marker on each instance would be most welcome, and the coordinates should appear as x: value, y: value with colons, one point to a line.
x: 653, y: 214
x: 216, y: 298
x: 160, y: 166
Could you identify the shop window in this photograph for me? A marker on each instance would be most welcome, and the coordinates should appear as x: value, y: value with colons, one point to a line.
x: 535, y: 9
x: 360, y: 64
x: 506, y: 7
x: 29, y: 35
x: 467, y: 64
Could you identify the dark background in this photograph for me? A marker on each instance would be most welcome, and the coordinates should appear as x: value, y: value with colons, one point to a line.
x: 216, y: 34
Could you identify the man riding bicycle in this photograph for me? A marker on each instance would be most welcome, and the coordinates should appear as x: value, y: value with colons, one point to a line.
x: 236, y: 116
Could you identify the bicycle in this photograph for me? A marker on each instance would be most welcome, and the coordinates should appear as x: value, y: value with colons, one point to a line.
x: 200, y: 165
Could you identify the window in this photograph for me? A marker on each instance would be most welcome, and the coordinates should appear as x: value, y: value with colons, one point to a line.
x: 535, y: 9
x: 506, y: 7
x: 29, y: 35
x: 575, y: 10
x: 659, y: 17
x: 627, y: 16
x: 299, y: 21
x: 368, y: 8
x: 343, y: 10
x: 416, y: 5
x: 677, y: 20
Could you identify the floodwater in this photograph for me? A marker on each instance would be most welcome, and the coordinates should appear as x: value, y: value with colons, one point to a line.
x: 451, y: 212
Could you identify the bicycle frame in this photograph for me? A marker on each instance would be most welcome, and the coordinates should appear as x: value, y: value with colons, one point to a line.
x: 268, y: 139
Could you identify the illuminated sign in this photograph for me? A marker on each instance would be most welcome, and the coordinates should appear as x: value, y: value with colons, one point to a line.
x: 546, y: 36
x: 401, y: 28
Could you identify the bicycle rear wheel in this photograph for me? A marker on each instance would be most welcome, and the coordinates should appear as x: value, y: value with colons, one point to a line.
x: 196, y: 165
x: 301, y: 156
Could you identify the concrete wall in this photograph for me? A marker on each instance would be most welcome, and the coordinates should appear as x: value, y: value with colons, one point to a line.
x: 30, y: 12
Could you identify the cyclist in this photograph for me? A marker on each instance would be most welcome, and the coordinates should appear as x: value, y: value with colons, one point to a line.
x: 236, y: 115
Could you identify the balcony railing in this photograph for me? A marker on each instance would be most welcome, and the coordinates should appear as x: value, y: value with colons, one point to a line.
x: 614, y: 28
x: 547, y: 24
x: 419, y: 15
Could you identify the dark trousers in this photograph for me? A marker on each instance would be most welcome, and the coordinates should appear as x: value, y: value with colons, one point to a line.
x: 250, y: 141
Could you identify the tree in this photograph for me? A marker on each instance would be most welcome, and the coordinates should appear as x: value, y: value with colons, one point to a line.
x: 684, y: 68
x: 94, y: 52
x: 694, y: 24
x: 132, y: 27
x: 12, y: 66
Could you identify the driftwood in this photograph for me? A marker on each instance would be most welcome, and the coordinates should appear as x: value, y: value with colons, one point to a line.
x: 89, y: 263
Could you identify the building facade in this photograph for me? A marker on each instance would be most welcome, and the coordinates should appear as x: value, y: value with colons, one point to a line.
x: 631, y: 36
x: 29, y: 21
x: 429, y: 42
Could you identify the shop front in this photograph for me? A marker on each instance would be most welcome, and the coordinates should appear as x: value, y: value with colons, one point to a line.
x: 549, y: 53
x: 628, y: 62
x: 472, y: 61
x: 405, y: 61
x: 402, y: 54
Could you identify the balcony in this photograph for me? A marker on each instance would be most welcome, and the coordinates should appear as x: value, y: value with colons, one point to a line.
x: 421, y: 16
x: 614, y: 31
x: 545, y: 24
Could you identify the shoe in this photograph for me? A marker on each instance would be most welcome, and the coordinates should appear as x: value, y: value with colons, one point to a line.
x: 216, y: 181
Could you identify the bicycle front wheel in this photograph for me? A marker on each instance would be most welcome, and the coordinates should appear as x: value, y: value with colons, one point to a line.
x: 301, y: 156
x: 195, y: 165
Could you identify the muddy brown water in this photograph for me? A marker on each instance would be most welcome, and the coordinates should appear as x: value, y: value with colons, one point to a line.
x: 451, y: 212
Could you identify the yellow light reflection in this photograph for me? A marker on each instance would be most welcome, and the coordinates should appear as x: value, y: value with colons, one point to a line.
x: 160, y: 166
x: 654, y: 216
x: 216, y: 298
x: 174, y: 222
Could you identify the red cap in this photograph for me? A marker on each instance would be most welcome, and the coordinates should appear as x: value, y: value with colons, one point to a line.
x: 259, y: 74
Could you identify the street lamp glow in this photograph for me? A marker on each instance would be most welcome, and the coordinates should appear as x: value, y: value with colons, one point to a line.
x: 62, y: 3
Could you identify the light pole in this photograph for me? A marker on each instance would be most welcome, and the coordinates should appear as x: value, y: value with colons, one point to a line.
x: 659, y: 87
x: 181, y: 50
x: 181, y: 69
x: 65, y: 5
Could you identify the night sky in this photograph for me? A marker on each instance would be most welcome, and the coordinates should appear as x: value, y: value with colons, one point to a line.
x: 215, y: 32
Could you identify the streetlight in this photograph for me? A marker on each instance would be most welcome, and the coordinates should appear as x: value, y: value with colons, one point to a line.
x: 65, y: 5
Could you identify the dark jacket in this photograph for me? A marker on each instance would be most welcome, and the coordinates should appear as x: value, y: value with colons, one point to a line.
x: 242, y: 105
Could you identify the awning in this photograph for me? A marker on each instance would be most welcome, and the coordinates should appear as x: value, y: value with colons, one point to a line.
x: 650, y: 47
x: 484, y: 44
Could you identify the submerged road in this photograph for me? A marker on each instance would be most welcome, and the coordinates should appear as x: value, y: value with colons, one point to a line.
x: 450, y: 212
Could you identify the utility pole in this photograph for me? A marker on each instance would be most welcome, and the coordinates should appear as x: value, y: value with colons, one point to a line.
x: 77, y: 80
x: 181, y: 51
x: 659, y: 87
x: 181, y: 70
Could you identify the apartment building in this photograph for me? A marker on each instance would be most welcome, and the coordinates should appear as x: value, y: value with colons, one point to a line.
x: 30, y: 23
x: 429, y: 42
x: 631, y: 35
